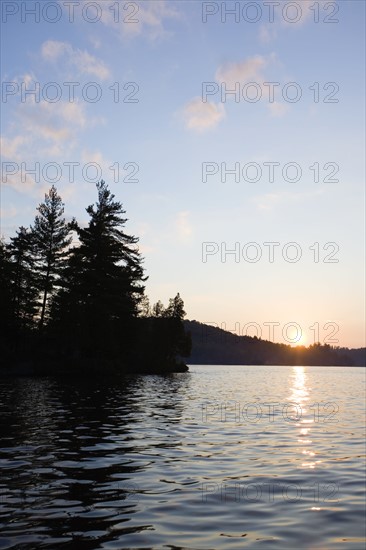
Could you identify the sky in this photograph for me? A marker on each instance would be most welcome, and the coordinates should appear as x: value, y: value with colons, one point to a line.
x: 232, y: 132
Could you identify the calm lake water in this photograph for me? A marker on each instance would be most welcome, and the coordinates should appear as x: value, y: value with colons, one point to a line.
x: 220, y: 457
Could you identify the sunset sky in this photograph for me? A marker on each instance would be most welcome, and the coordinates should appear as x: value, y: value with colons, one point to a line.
x: 299, y: 164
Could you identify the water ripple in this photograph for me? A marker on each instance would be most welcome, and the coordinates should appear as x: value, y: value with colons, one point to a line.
x: 216, y: 458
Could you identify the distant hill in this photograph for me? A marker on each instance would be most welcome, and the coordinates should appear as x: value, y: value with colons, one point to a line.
x: 214, y: 346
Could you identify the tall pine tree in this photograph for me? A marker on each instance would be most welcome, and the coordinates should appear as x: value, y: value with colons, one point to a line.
x: 103, y: 282
x: 52, y: 237
x: 7, y: 318
x: 23, y: 278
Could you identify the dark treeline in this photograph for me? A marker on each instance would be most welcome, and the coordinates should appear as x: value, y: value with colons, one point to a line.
x: 214, y: 346
x: 73, y: 298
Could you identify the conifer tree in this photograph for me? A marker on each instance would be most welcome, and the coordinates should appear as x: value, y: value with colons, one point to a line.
x: 7, y: 317
x: 176, y: 308
x: 23, y: 277
x: 167, y: 336
x: 158, y: 309
x: 103, y: 281
x: 51, y: 236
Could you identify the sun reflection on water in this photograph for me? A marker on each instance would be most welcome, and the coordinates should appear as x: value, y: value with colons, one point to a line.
x: 300, y: 396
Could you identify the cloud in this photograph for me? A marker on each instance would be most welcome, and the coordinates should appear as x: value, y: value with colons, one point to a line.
x: 104, y: 164
x: 136, y: 19
x: 298, y: 13
x: 294, y: 15
x: 270, y: 201
x: 52, y: 50
x: 51, y: 121
x: 42, y: 131
x: 11, y: 147
x: 151, y: 16
x: 88, y: 64
x: 96, y: 42
x: 245, y: 71
x: 201, y: 116
x: 72, y: 113
x: 28, y: 79
x: 267, y: 33
x: 85, y: 63
x: 43, y: 127
x: 28, y: 185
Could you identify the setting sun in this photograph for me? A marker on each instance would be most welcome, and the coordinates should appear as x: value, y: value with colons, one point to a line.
x: 296, y: 337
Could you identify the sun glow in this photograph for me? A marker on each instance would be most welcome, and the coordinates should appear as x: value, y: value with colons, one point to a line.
x: 302, y: 341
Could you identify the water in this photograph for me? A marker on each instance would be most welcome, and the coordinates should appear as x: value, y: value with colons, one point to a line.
x: 200, y: 460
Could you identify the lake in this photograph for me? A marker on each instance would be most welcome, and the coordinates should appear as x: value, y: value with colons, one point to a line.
x: 219, y: 457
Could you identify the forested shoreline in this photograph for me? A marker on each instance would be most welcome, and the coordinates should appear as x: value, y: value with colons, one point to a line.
x: 73, y: 298
x: 213, y: 346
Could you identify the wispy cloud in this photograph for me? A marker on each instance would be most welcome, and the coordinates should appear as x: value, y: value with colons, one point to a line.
x: 293, y: 16
x: 42, y: 132
x: 48, y: 130
x: 40, y: 128
x: 139, y: 18
x: 11, y: 147
x: 270, y: 201
x: 50, y: 121
x: 267, y: 33
x: 82, y: 60
x: 202, y: 116
x: 151, y: 19
x: 102, y: 163
x: 244, y: 71
x: 26, y: 185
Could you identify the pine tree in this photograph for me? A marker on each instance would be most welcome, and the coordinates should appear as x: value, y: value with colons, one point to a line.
x: 176, y: 308
x: 23, y: 278
x: 7, y: 318
x: 158, y: 309
x: 103, y: 281
x: 144, y: 307
x: 179, y: 340
x: 166, y: 335
x: 51, y: 238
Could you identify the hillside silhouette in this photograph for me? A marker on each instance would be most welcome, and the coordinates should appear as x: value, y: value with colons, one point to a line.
x: 214, y: 346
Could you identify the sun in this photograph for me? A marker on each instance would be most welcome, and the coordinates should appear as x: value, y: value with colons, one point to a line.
x: 297, y: 338
x: 302, y: 341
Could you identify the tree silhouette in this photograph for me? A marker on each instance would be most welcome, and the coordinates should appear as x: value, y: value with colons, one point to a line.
x: 166, y: 335
x: 51, y: 237
x: 7, y: 318
x: 24, y: 282
x: 103, y: 281
x: 87, y: 299
x: 158, y: 309
x: 176, y: 308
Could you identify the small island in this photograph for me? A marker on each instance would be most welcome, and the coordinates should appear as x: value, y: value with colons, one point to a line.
x: 73, y: 298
